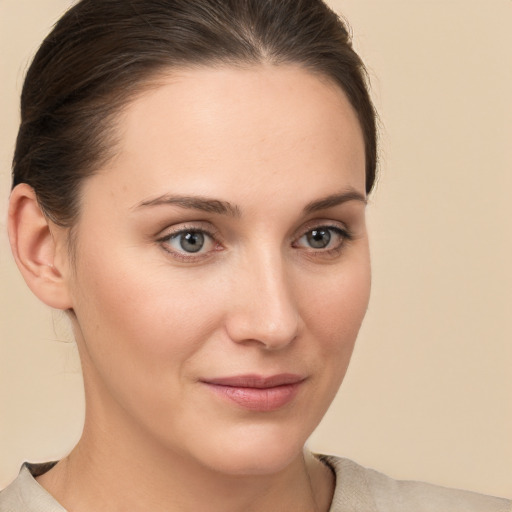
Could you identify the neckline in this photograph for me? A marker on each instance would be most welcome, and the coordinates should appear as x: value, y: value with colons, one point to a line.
x: 347, y: 488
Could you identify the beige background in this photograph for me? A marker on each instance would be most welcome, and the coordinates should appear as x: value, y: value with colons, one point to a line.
x: 429, y: 394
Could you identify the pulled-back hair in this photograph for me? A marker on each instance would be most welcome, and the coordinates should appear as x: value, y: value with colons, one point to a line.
x: 102, y: 53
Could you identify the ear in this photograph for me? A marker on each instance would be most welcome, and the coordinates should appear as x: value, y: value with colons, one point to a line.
x: 39, y: 248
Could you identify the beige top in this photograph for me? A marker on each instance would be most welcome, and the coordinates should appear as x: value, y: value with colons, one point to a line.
x: 358, y: 489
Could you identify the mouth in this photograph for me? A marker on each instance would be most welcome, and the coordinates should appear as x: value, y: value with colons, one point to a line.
x: 255, y: 392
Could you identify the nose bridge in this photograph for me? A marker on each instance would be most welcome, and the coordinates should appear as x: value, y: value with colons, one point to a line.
x: 265, y: 310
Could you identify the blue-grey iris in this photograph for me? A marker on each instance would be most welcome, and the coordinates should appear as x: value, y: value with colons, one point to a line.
x: 193, y: 241
x: 319, y: 238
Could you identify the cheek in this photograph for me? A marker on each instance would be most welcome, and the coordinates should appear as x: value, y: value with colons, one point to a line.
x: 133, y: 310
x: 334, y: 308
x: 335, y: 305
x: 140, y: 329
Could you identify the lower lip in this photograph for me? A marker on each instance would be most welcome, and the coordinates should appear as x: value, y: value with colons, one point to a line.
x: 258, y: 399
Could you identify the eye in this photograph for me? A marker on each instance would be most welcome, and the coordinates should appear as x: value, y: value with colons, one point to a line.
x: 323, y: 238
x: 188, y: 242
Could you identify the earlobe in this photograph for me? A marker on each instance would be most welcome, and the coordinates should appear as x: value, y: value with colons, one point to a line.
x: 38, y: 248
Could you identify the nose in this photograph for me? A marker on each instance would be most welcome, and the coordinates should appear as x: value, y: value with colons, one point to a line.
x: 263, y: 309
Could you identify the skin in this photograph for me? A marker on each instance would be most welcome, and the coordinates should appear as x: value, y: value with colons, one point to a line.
x: 153, y: 322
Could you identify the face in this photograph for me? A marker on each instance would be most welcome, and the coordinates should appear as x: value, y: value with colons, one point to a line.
x: 222, y: 267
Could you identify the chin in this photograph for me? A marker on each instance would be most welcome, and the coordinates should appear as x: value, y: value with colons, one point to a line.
x: 251, y: 451
x: 267, y: 461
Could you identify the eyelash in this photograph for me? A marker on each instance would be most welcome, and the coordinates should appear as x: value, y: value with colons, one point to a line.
x: 343, y: 233
x: 189, y: 257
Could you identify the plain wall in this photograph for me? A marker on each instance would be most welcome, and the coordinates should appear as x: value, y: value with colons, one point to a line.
x: 428, y: 395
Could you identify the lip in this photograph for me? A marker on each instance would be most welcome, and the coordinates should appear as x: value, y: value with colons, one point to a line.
x: 256, y: 392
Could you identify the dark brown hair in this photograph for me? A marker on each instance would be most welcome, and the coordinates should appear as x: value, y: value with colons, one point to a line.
x: 102, y: 53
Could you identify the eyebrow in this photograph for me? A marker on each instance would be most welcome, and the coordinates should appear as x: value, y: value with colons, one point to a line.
x: 220, y: 207
x: 334, y: 200
x: 204, y: 204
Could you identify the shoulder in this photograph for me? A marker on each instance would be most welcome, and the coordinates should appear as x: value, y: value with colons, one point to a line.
x: 26, y: 495
x: 366, y: 490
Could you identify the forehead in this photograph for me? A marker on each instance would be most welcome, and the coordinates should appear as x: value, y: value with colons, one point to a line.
x: 253, y: 127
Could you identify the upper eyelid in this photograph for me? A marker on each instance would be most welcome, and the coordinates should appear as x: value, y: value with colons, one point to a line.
x: 210, y: 230
x: 321, y: 223
x: 342, y: 232
x: 184, y: 227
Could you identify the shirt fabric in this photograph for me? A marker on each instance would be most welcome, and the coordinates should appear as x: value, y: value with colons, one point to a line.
x: 358, y: 489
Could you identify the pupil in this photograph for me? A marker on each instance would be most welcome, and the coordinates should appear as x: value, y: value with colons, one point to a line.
x: 319, y: 238
x: 192, y: 242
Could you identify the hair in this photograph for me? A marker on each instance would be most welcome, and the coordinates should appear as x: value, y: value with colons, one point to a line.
x: 102, y: 53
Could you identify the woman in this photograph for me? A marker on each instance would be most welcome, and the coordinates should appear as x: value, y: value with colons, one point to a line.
x: 190, y: 182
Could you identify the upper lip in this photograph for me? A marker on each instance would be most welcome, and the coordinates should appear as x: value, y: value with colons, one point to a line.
x: 256, y: 381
